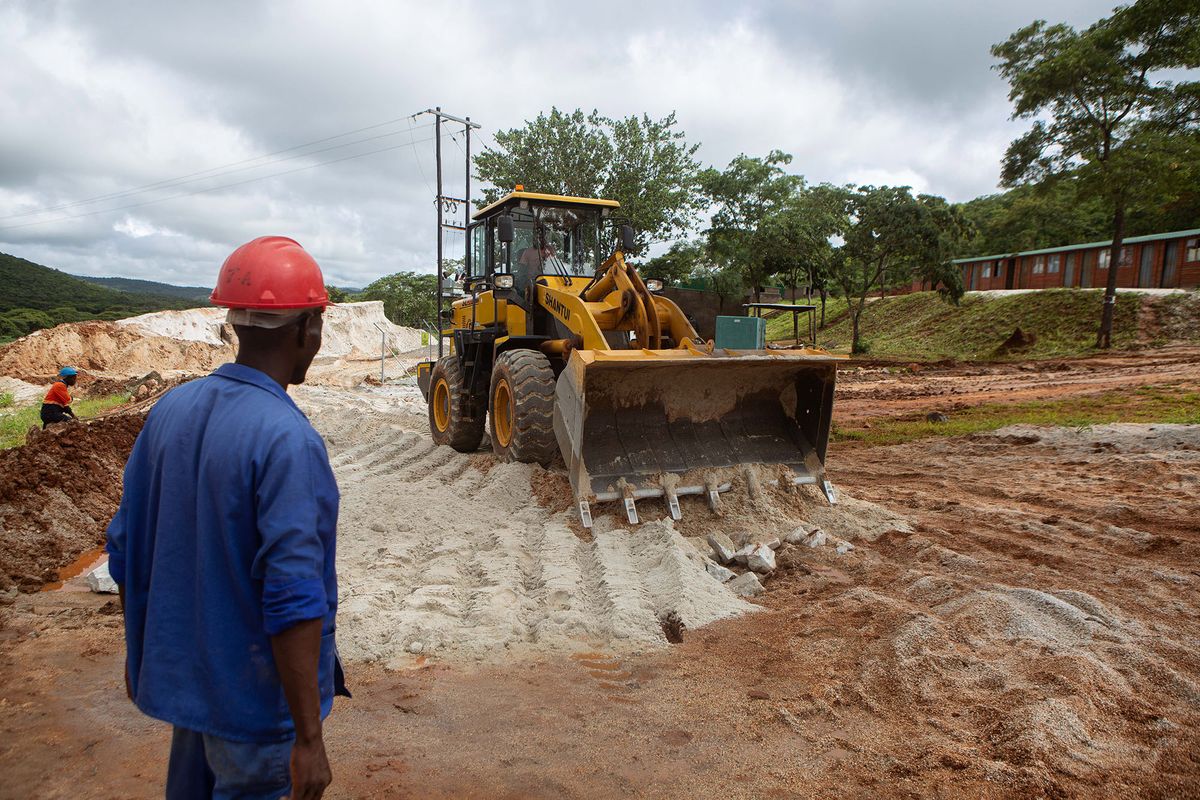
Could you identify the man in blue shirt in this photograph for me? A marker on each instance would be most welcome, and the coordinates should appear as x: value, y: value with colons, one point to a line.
x: 223, y: 549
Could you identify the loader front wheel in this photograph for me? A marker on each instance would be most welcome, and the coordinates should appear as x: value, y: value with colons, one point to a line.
x: 450, y: 420
x: 522, y: 407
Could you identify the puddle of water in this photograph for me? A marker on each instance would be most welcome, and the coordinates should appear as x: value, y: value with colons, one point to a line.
x: 85, y: 563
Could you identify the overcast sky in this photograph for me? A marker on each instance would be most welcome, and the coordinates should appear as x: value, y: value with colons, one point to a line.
x: 101, y: 98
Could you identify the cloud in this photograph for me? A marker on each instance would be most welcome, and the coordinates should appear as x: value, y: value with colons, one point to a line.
x: 113, y: 98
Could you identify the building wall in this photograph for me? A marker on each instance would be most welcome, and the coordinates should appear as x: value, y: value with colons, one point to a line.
x: 1170, y: 263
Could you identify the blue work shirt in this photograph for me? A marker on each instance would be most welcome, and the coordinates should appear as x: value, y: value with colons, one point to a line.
x: 224, y: 538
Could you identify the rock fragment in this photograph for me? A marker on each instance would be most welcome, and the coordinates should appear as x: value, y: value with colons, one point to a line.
x: 743, y: 554
x: 843, y: 547
x: 722, y: 546
x: 817, y: 538
x: 746, y: 585
x: 761, y: 559
x: 798, y: 536
x: 720, y: 573
x: 100, y: 580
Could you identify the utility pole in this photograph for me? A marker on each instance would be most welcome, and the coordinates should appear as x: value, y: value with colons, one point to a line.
x: 449, y: 205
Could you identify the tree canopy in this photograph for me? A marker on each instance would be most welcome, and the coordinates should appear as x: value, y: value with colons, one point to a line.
x: 408, y: 298
x: 645, y: 164
x: 1106, y: 111
x: 889, y: 238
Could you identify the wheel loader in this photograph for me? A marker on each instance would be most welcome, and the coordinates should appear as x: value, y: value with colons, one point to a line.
x: 560, y: 347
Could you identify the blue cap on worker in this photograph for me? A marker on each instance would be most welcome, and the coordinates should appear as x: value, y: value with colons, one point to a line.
x: 67, y: 372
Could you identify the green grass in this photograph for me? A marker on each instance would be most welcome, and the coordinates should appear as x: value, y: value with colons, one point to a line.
x: 1146, y: 405
x: 6, y: 399
x: 922, y: 326
x: 16, y: 424
x: 779, y: 324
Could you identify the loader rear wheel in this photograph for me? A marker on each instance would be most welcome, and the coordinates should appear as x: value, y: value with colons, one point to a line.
x: 450, y: 420
x: 522, y: 407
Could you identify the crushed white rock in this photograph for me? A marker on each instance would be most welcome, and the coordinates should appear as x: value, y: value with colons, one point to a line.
x: 746, y: 585
x: 720, y: 573
x: 722, y: 546
x: 100, y: 580
x: 761, y: 559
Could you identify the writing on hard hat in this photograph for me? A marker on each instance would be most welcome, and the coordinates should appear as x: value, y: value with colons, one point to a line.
x: 270, y: 272
x: 67, y: 372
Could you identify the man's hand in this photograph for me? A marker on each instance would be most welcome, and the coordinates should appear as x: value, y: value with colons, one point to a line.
x: 297, y: 651
x: 310, y: 770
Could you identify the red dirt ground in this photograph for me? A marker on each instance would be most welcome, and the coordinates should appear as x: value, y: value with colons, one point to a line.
x: 1037, y: 633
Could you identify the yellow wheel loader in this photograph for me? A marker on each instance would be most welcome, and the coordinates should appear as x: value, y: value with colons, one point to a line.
x: 562, y: 349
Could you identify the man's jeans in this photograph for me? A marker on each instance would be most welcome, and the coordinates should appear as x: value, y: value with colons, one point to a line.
x: 204, y: 766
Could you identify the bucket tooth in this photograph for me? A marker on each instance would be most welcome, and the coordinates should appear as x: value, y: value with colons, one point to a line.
x: 830, y: 492
x: 630, y: 508
x: 714, y: 496
x: 753, y: 485
x: 672, y: 499
x: 585, y: 513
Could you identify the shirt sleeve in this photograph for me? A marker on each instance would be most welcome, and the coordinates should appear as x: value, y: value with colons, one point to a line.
x: 291, y: 557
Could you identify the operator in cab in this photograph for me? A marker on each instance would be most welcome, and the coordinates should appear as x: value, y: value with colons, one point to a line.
x: 56, y: 406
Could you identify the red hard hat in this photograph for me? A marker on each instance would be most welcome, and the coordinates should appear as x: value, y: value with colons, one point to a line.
x: 270, y: 272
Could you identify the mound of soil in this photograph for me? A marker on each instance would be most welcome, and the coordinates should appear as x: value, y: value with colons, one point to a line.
x: 195, y: 341
x: 57, y: 495
x: 1018, y: 342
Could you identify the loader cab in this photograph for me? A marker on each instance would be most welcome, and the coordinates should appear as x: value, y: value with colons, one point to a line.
x: 552, y: 236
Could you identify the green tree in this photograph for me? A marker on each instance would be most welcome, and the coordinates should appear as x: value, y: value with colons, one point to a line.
x: 891, y: 236
x: 675, y: 265
x: 1032, y: 216
x: 796, y: 241
x: 644, y: 164
x: 1104, y: 110
x: 337, y: 295
x: 749, y: 197
x: 408, y: 298
x: 726, y: 281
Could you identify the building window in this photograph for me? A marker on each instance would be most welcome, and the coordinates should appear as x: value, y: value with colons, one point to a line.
x: 1192, y: 250
x: 987, y: 269
x: 1039, y: 265
x: 1103, y: 258
x: 1126, y: 256
x: 1052, y: 265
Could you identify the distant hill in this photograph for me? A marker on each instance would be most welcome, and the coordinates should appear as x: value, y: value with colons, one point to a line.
x: 136, y: 286
x: 33, y: 296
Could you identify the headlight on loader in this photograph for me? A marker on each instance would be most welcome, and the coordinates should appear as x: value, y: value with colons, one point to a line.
x: 654, y: 285
x: 504, y: 281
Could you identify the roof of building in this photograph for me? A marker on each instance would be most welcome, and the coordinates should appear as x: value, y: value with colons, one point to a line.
x: 552, y: 199
x: 1153, y: 237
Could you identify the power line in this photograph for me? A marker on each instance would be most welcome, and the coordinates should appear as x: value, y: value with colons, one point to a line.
x: 213, y: 188
x: 221, y: 171
x: 416, y: 155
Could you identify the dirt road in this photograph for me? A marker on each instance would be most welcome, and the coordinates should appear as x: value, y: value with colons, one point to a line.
x: 1031, y: 630
x: 885, y: 389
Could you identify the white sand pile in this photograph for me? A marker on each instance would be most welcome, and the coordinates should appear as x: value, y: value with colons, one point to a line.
x: 22, y: 392
x: 192, y: 341
x: 193, y: 325
x: 351, y: 332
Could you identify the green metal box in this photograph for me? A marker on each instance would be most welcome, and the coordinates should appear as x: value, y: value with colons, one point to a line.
x: 742, y: 333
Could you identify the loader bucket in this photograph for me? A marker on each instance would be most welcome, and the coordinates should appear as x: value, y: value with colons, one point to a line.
x: 663, y: 423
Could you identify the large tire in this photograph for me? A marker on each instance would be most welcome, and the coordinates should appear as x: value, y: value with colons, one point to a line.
x: 521, y: 406
x: 450, y: 420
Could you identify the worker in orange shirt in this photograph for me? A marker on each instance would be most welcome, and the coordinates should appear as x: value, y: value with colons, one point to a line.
x: 57, y: 405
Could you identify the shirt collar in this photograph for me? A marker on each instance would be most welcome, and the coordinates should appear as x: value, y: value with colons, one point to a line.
x: 254, y: 377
